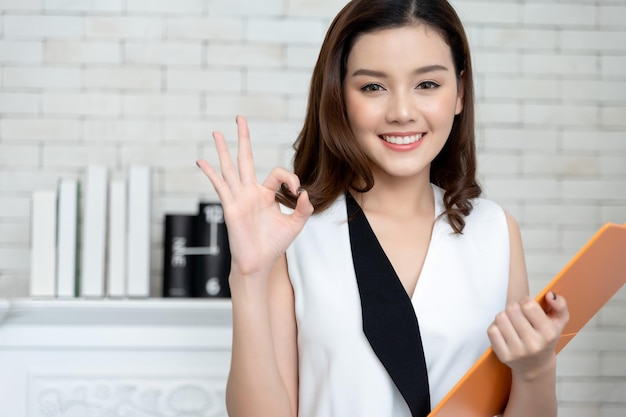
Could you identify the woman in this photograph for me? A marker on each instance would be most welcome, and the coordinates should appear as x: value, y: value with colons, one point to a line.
x: 373, y: 287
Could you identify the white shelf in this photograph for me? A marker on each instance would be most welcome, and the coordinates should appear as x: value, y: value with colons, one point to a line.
x: 70, y: 357
x: 145, y: 312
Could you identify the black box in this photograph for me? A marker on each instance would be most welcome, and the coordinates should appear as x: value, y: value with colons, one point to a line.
x: 212, y: 262
x: 178, y: 237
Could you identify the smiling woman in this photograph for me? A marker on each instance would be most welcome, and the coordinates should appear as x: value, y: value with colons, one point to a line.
x: 373, y: 286
x: 117, y: 83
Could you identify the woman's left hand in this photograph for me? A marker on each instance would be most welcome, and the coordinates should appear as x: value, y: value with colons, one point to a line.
x: 524, y: 336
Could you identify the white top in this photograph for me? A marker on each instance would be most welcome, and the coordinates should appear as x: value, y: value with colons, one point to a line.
x: 462, y: 286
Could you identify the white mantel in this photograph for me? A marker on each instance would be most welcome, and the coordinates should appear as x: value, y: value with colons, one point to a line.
x: 114, y: 358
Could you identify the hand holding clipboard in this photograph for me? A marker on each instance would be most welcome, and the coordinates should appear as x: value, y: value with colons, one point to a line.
x: 587, y: 282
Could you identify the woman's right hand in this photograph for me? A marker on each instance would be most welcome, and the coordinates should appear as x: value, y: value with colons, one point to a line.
x: 258, y: 232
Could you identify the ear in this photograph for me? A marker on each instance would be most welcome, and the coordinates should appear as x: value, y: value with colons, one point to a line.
x: 460, y: 91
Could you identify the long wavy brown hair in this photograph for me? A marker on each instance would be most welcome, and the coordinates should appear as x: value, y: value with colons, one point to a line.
x: 328, y: 159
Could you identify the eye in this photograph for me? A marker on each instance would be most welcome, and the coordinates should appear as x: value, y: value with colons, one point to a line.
x: 372, y: 88
x: 427, y: 85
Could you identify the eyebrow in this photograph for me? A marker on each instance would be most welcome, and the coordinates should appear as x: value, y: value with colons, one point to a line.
x: 418, y: 71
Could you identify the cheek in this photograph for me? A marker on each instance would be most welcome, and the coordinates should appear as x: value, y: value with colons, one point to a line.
x: 362, y: 114
x: 440, y: 112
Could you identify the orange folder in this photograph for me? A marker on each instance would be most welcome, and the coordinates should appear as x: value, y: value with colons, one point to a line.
x: 587, y: 282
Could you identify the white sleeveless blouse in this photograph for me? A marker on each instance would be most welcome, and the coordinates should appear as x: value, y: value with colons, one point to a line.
x: 462, y: 286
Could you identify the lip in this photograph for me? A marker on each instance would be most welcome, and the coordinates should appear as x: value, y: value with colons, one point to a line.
x: 402, y: 141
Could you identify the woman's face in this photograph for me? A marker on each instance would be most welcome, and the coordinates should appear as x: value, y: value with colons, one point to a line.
x: 401, y: 96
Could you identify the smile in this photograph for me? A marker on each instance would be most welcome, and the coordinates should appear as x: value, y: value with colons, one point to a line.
x: 402, y: 140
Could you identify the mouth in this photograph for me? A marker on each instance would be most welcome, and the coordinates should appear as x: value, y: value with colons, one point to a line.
x: 402, y: 140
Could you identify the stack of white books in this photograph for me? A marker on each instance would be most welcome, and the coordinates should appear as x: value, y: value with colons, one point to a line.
x: 92, y: 239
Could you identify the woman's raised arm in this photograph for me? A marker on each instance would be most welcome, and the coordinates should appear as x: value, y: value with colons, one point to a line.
x: 263, y: 375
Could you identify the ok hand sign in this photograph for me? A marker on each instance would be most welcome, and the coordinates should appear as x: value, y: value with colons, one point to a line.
x: 258, y: 232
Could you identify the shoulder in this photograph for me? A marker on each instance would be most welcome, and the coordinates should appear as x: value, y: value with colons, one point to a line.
x: 489, y: 211
x: 485, y: 215
x: 483, y: 209
x: 491, y: 219
x: 487, y: 223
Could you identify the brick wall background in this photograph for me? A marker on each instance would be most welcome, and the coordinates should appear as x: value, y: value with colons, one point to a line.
x: 118, y: 82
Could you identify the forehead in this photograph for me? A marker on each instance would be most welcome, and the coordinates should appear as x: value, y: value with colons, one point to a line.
x: 412, y: 45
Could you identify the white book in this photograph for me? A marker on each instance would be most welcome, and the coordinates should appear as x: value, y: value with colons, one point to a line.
x: 67, y: 229
x: 92, y: 264
x: 43, y: 243
x: 139, y: 219
x: 116, y: 255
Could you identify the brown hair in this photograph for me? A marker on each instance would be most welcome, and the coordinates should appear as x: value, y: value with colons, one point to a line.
x: 327, y: 158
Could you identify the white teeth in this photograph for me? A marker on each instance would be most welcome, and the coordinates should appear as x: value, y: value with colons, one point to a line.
x: 402, y: 140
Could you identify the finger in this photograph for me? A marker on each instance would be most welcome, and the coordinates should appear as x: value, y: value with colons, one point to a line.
x: 518, y: 318
x: 537, y: 317
x: 498, y: 343
x: 279, y: 176
x: 244, y: 152
x: 543, y: 332
x: 558, y: 311
x: 216, y: 179
x: 304, y: 208
x: 508, y: 331
x: 229, y: 173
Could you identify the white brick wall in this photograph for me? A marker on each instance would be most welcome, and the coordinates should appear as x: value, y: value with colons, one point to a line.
x: 146, y: 81
x: 81, y: 52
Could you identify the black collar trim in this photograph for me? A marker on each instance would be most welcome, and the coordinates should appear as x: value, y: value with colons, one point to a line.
x: 389, y: 320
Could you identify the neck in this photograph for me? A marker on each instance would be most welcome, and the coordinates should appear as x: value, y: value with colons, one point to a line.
x: 399, y: 197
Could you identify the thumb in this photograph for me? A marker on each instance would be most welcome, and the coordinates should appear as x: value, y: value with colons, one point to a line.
x: 557, y: 309
x: 304, y: 208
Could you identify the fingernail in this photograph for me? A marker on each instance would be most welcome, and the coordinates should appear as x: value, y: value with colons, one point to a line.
x: 300, y: 190
x: 553, y: 295
x: 197, y: 164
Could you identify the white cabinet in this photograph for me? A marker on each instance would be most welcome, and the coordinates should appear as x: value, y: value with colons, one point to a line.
x: 114, y: 358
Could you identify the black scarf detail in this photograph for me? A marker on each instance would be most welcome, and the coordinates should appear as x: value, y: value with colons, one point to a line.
x: 389, y: 320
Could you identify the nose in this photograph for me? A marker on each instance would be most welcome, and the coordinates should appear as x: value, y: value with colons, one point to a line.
x: 401, y: 108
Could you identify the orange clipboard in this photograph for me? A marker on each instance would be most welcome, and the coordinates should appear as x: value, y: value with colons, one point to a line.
x: 587, y: 282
